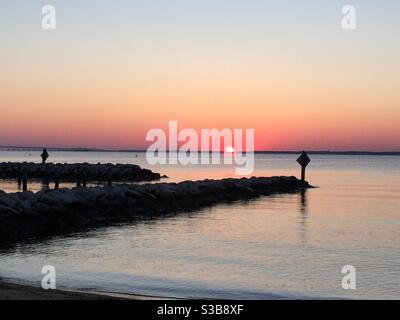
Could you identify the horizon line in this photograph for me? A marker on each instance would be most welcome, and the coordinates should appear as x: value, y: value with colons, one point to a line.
x: 87, y: 149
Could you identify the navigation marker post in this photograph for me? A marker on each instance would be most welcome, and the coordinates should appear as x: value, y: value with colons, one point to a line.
x: 303, y: 160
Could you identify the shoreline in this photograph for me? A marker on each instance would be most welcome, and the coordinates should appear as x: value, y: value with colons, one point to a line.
x: 28, y: 216
x: 17, y: 291
x: 10, y: 290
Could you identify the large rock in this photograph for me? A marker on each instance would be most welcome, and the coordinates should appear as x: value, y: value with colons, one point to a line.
x: 71, y: 172
x: 53, y: 212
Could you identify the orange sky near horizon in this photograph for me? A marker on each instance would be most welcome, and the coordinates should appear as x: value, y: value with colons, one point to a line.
x: 321, y: 90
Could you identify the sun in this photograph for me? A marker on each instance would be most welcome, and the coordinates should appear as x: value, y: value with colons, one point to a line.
x: 229, y: 150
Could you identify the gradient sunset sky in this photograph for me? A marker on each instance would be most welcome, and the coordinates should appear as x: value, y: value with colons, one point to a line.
x: 112, y: 70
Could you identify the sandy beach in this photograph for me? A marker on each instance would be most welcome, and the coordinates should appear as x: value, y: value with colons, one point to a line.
x: 13, y: 291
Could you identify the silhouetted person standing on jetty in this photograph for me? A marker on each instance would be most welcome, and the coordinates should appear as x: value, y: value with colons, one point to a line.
x: 44, y: 155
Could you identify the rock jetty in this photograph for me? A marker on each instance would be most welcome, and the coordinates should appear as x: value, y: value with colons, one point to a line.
x: 54, y: 212
x: 73, y: 172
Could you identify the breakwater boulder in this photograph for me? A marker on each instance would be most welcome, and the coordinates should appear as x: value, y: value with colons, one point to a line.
x: 53, y: 212
x: 72, y: 172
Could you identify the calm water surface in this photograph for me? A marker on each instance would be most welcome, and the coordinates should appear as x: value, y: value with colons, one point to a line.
x: 291, y: 245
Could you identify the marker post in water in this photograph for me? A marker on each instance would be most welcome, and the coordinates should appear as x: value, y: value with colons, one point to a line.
x: 303, y: 160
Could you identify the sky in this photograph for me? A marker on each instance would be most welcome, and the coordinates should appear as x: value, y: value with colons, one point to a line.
x: 112, y: 70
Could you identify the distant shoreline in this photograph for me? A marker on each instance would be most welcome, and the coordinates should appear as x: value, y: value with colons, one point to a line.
x: 317, y: 152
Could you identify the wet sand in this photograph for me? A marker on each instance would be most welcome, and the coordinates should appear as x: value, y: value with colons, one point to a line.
x: 12, y: 291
